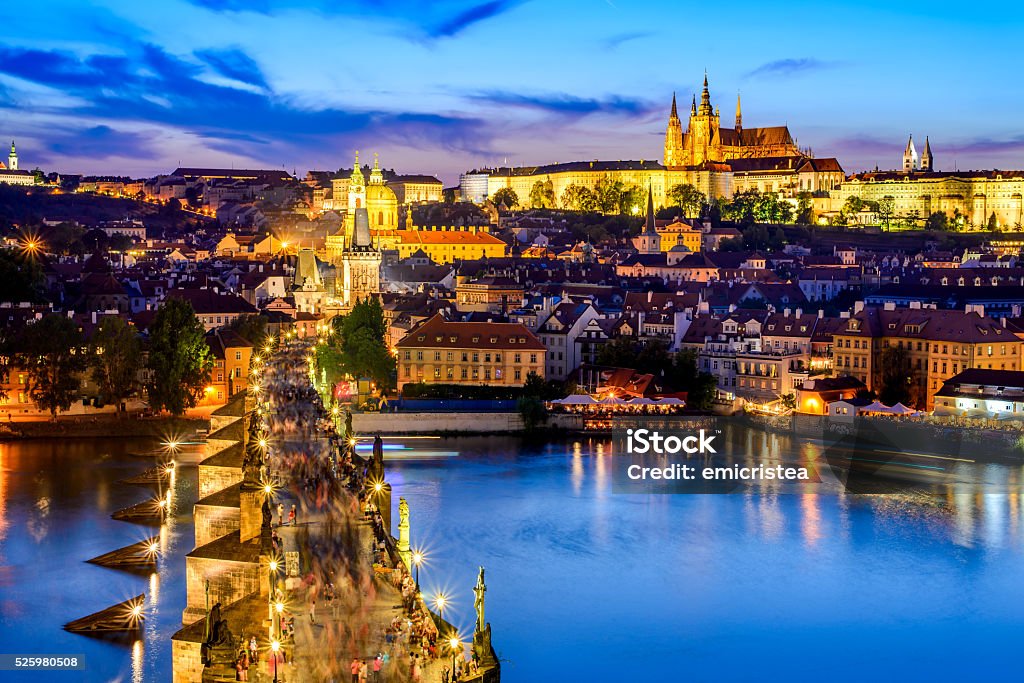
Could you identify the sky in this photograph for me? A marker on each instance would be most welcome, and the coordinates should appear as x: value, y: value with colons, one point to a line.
x: 122, y: 87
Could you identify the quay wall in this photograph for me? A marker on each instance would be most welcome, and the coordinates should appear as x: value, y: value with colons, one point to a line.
x: 433, y: 423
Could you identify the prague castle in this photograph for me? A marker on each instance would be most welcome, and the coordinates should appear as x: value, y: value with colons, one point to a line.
x: 706, y: 141
x: 717, y: 161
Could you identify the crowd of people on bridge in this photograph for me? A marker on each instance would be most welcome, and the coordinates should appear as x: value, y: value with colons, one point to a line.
x: 333, y: 500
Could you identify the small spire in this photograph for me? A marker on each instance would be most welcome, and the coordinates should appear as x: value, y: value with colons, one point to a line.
x: 649, y: 227
x: 705, y: 98
x: 739, y: 114
x: 693, y: 106
x: 674, y: 114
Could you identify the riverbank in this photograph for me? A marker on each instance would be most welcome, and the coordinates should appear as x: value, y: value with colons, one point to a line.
x: 100, y: 426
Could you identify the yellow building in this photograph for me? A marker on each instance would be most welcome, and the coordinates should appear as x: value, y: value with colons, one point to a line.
x: 375, y: 196
x: 439, y: 351
x: 678, y: 233
x: 938, y: 343
x: 717, y: 161
x: 446, y: 247
x: 975, y: 195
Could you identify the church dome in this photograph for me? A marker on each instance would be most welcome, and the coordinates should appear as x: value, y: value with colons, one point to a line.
x: 382, y: 206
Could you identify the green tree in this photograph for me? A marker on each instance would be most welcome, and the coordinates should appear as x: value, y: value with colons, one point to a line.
x: 21, y: 277
x: 899, y: 382
x: 180, y: 360
x: 853, y: 205
x: 886, y: 210
x: 506, y: 196
x: 360, y: 342
x: 531, y: 403
x: 251, y: 327
x: 50, y: 353
x: 632, y: 200
x: 608, y: 194
x: 115, y: 357
x: 579, y: 198
x: 938, y: 220
x: 805, y: 209
x: 741, y: 208
x: 448, y: 195
x: 700, y: 387
x: 542, y: 195
x: 688, y: 198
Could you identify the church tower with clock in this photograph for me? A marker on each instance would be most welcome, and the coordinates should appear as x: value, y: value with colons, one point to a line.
x: 360, y: 263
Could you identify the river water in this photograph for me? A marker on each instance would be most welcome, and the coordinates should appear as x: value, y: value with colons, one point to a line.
x: 583, y: 583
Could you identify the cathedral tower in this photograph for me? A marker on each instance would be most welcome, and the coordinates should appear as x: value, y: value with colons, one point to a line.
x: 910, y: 156
x: 674, y: 138
x: 12, y: 159
x: 926, y: 156
x: 703, y: 128
x: 360, y: 263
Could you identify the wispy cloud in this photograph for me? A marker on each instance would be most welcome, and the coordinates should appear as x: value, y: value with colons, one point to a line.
x: 568, y: 105
x: 234, y: 64
x: 619, y: 39
x: 149, y: 85
x: 463, y: 20
x: 791, y: 67
x: 101, y: 142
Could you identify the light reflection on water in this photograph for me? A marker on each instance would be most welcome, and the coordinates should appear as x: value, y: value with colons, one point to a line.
x: 56, y: 497
x: 704, y: 587
x: 920, y: 585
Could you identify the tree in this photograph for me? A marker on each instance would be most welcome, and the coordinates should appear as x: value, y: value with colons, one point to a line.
x: 361, y: 347
x: 579, y: 198
x: 21, y: 277
x: 631, y: 200
x: 993, y: 223
x: 886, y: 209
x: 506, y: 196
x: 115, y: 357
x: 938, y: 220
x: 805, y: 209
x: 448, y: 195
x: 700, y: 387
x: 531, y: 403
x: 180, y: 360
x: 853, y: 205
x: 687, y: 197
x: 899, y: 382
x: 50, y: 352
x: 250, y: 327
x: 542, y: 195
x: 608, y: 194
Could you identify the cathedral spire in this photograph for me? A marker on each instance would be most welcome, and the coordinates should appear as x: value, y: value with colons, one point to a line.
x: 705, y: 98
x: 739, y: 114
x: 649, y: 225
x: 910, y: 156
x: 357, y: 172
x: 693, y: 106
x: 926, y: 155
x: 674, y: 114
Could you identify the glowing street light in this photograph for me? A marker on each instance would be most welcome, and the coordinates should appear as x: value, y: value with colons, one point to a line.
x: 454, y: 643
x: 440, y: 600
x: 275, y: 646
x: 417, y: 560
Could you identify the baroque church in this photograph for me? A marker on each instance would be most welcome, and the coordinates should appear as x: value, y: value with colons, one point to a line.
x: 705, y: 140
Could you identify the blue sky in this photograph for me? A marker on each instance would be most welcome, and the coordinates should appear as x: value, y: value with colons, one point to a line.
x: 129, y: 87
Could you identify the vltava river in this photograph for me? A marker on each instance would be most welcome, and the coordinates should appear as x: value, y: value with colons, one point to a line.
x: 583, y: 583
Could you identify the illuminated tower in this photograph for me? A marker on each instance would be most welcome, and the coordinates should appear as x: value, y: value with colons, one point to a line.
x: 910, y: 156
x: 674, y: 138
x: 12, y: 159
x: 356, y: 198
x: 739, y: 115
x: 649, y: 241
x: 703, y: 128
x: 360, y: 262
x: 926, y: 156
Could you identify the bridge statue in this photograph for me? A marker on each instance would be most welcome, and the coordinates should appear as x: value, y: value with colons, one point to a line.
x: 403, y: 533
x: 482, y: 649
x: 478, y: 601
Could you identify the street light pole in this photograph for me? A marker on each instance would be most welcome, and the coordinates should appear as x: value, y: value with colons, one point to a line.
x: 275, y: 646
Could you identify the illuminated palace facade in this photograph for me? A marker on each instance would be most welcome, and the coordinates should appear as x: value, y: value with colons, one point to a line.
x: 718, y: 161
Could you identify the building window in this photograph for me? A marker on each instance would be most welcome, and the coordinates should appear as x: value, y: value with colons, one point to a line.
x: 533, y: 358
x: 465, y: 373
x: 419, y: 355
x: 517, y: 358
x: 437, y: 355
x: 407, y: 355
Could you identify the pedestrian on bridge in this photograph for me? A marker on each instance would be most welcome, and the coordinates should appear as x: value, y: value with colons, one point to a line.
x: 354, y: 668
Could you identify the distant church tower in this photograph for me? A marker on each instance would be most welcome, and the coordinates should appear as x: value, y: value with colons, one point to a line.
x: 674, y: 138
x: 739, y: 117
x: 926, y: 156
x: 910, y: 156
x: 649, y: 241
x: 356, y: 199
x: 12, y: 159
x: 360, y: 263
